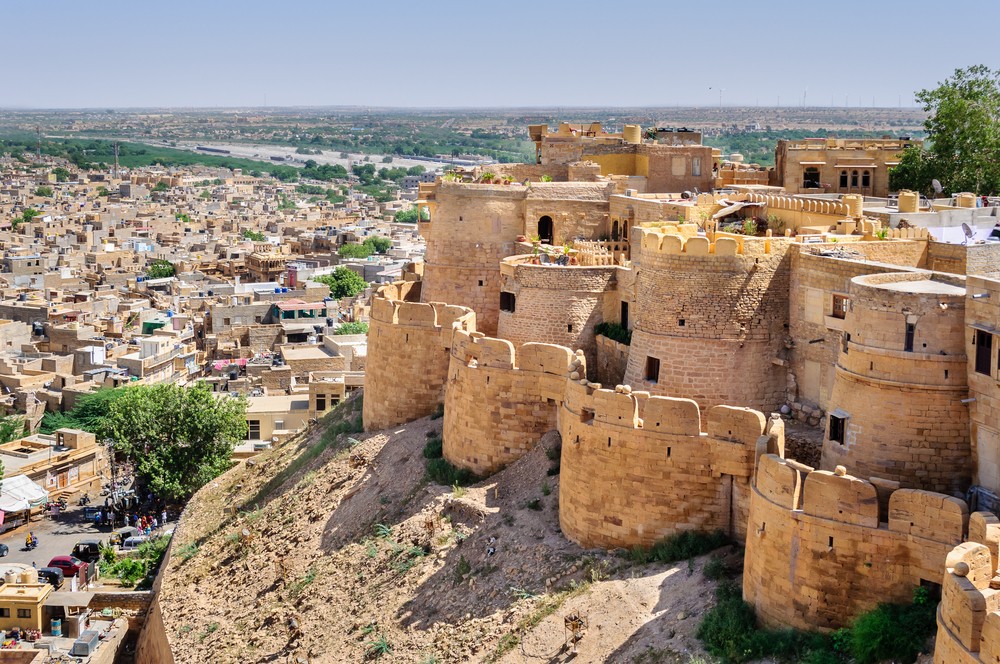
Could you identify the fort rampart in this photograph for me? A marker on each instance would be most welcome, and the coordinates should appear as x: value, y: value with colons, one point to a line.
x: 637, y: 468
x: 896, y: 409
x: 557, y: 304
x: 822, y: 548
x: 968, y: 617
x: 408, y: 353
x: 498, y: 403
x: 711, y: 318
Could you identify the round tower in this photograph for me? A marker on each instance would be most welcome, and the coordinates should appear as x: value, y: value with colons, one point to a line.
x: 471, y: 228
x: 896, y: 408
x: 711, y: 318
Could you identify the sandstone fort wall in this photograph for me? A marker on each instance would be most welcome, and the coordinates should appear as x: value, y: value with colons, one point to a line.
x: 713, y: 314
x: 982, y: 316
x: 498, y: 403
x: 636, y: 468
x: 903, y: 415
x: 968, y: 616
x: 823, y: 548
x: 472, y: 227
x: 557, y: 304
x: 408, y: 353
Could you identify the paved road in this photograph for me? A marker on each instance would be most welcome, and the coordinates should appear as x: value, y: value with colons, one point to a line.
x: 56, y: 537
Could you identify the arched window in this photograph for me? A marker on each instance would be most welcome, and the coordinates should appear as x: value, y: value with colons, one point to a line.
x: 810, y: 178
x: 843, y: 179
x: 866, y: 179
x: 615, y: 231
x: 854, y: 179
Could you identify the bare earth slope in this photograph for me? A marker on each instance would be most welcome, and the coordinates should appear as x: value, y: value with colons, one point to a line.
x: 337, y: 549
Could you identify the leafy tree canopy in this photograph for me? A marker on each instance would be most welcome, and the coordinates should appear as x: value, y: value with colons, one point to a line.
x: 177, y: 438
x: 378, y: 244
x: 44, y: 192
x: 353, y: 327
x: 355, y: 251
x: 963, y: 127
x: 406, y: 216
x: 255, y: 236
x: 161, y: 187
x: 343, y: 282
x: 160, y: 269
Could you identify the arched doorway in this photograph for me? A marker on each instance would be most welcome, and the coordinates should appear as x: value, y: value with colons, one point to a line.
x: 545, y: 231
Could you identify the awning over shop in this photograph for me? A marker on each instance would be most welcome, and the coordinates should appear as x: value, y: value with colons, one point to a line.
x: 19, y: 493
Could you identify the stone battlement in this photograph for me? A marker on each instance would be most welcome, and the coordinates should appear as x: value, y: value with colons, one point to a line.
x: 498, y: 401
x: 969, y: 614
x: 725, y: 245
x: 400, y: 387
x: 636, y: 468
x: 824, y: 547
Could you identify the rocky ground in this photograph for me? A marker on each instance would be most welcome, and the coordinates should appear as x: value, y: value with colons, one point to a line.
x: 338, y: 549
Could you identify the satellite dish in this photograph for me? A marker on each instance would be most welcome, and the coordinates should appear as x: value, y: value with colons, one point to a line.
x: 969, y: 233
x: 937, y: 186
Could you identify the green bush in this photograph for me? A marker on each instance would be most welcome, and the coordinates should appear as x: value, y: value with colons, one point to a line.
x: 679, y: 546
x: 893, y: 631
x: 615, y: 332
x: 434, y: 448
x: 442, y: 472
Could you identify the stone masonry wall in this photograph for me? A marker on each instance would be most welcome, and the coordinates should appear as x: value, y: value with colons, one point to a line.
x: 714, y: 315
x: 822, y: 548
x: 558, y: 304
x: 981, y: 317
x: 636, y: 468
x: 498, y: 403
x: 814, y: 331
x: 968, y: 617
x: 408, y: 351
x: 611, y: 360
x: 905, y: 420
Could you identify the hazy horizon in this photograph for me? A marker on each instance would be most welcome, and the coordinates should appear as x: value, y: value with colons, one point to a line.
x: 521, y: 55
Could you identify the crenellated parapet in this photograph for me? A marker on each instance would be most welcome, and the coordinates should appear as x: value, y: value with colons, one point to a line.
x: 711, y: 321
x: 824, y: 547
x: 637, y: 468
x: 499, y: 402
x: 408, y: 350
x: 969, y: 614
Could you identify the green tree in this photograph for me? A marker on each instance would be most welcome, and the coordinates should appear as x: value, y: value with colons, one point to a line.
x: 102, y: 191
x: 25, y: 217
x: 256, y: 236
x: 406, y: 216
x: 354, y: 327
x: 343, y: 282
x: 378, y: 244
x: 177, y: 438
x: 160, y: 269
x: 44, y: 192
x: 161, y: 187
x: 355, y: 251
x: 11, y: 428
x: 62, y: 175
x: 963, y: 127
x: 87, y: 414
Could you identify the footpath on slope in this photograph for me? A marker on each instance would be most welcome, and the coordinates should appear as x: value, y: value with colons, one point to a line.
x: 337, y: 548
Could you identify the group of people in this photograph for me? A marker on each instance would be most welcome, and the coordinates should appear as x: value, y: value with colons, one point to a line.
x: 148, y: 523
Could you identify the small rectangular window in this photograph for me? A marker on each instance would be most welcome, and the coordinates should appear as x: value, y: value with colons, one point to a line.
x: 508, y: 302
x: 984, y: 353
x: 253, y: 431
x: 911, y: 329
x: 843, y: 179
x: 866, y: 179
x: 839, y: 309
x: 837, y: 427
x: 320, y: 402
x: 696, y: 166
x: 24, y: 613
x: 4, y: 613
x: 652, y: 369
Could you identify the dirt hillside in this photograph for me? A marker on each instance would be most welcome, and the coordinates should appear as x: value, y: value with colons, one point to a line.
x: 336, y: 548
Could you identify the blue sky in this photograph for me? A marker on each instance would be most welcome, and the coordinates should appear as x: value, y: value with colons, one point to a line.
x: 61, y: 54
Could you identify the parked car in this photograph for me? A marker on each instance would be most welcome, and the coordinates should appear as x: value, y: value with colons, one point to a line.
x: 70, y: 565
x: 88, y: 550
x: 134, y: 542
x: 120, y: 535
x: 4, y: 550
x: 53, y: 575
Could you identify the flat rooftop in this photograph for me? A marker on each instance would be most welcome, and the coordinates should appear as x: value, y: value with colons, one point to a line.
x: 924, y: 286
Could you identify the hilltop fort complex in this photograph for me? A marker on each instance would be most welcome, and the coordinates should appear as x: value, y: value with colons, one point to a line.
x: 746, y: 297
